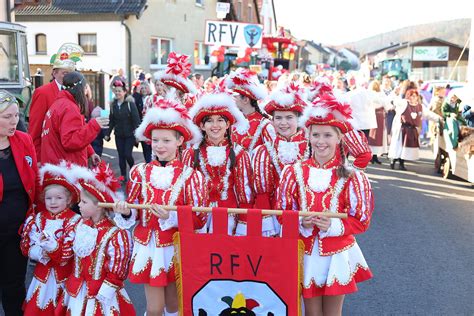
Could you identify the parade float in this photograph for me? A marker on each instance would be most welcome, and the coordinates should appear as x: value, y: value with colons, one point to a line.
x: 454, y: 151
x: 235, y: 44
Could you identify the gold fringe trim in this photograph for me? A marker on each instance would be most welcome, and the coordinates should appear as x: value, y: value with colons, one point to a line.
x: 178, y: 272
x: 300, y: 274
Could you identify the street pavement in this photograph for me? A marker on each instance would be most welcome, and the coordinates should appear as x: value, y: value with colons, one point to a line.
x: 419, y: 245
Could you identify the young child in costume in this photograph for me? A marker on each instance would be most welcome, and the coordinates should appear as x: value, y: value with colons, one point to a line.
x: 166, y: 180
x: 248, y: 91
x: 289, y: 146
x: 44, y: 240
x: 333, y: 261
x: 225, y: 165
x: 175, y: 75
x: 101, y: 253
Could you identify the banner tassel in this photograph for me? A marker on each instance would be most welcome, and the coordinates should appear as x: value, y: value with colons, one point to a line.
x: 178, y: 271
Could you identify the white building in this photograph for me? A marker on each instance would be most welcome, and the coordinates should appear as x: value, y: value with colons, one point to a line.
x: 99, y: 27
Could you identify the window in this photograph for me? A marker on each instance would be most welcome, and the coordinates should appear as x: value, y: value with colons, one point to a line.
x: 249, y: 15
x: 9, y: 60
x: 200, y: 3
x: 201, y: 54
x: 40, y: 42
x: 239, y: 11
x: 160, y: 49
x: 88, y: 42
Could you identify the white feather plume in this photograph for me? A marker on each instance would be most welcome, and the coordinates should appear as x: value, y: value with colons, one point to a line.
x: 159, y: 75
x: 221, y: 100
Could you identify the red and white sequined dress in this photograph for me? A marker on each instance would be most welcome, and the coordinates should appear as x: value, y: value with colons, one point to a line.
x: 333, y: 261
x: 101, y: 260
x: 54, y: 263
x: 172, y: 184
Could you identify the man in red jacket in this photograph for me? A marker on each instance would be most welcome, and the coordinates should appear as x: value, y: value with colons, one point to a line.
x: 63, y: 62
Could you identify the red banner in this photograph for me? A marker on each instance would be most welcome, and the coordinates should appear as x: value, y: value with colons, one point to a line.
x: 218, y: 274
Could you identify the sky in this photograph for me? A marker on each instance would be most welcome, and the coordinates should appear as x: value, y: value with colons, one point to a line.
x: 335, y: 22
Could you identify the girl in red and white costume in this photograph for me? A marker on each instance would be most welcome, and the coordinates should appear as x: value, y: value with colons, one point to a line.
x: 101, y: 253
x: 175, y: 75
x: 225, y: 165
x: 164, y: 181
x: 355, y: 142
x: 44, y: 240
x: 333, y: 261
x: 248, y: 91
x: 289, y: 146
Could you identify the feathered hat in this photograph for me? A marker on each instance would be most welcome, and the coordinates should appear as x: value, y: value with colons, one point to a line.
x: 245, y: 82
x: 64, y: 174
x: 168, y: 114
x: 327, y: 110
x: 318, y: 88
x: 176, y: 73
x: 220, y: 102
x: 291, y: 98
x: 67, y: 57
x: 102, y: 183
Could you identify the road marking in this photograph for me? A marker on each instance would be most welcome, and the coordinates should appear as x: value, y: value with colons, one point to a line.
x: 108, y: 156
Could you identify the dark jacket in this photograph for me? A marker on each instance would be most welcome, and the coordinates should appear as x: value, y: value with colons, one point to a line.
x: 139, y: 103
x: 124, y: 119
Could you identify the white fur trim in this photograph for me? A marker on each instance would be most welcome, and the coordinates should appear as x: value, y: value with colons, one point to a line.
x: 167, y: 116
x: 216, y: 155
x: 319, y: 179
x: 159, y: 75
x: 288, y: 152
x: 87, y: 175
x: 254, y: 86
x: 85, y: 240
x: 52, y: 226
x: 62, y: 170
x: 161, y: 177
x: 221, y: 100
x: 125, y: 223
x: 282, y: 98
x: 310, y: 112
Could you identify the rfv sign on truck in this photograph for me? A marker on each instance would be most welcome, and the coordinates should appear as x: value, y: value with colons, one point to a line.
x: 235, y: 34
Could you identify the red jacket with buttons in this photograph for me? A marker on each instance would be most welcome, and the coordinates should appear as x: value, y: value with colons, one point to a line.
x: 65, y: 134
x: 43, y: 98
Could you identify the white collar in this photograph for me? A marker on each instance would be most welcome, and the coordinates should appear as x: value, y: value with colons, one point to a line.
x: 60, y: 86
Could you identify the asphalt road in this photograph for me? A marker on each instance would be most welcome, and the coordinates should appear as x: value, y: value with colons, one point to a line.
x: 419, y: 245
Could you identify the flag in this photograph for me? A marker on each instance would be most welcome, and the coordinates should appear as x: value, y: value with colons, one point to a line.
x: 218, y: 274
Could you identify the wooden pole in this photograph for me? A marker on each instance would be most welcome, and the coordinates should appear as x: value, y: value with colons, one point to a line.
x: 230, y: 210
x: 457, y: 61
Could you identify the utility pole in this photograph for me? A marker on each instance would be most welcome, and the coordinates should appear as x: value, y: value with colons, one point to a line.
x: 470, y: 63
